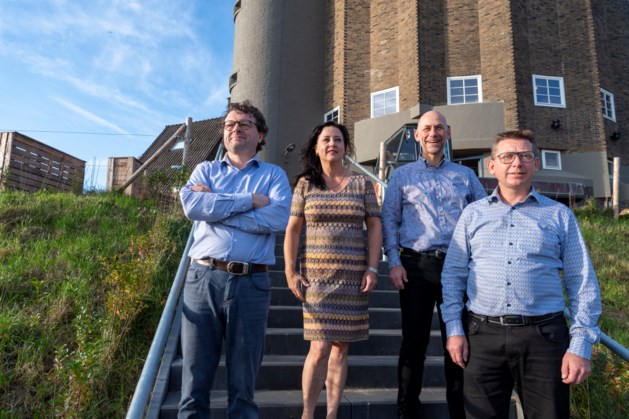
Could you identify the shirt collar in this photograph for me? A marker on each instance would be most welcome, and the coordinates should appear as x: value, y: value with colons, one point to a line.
x: 427, y: 165
x: 255, y: 160
x: 532, y: 196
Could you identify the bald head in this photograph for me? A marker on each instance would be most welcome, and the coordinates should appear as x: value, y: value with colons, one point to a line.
x: 431, y: 116
x: 432, y: 132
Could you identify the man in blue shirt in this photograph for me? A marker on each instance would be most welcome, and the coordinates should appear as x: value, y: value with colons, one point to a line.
x: 422, y: 204
x: 507, y: 255
x: 237, y: 205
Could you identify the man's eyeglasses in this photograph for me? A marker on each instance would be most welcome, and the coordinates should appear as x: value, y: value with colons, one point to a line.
x: 508, y: 157
x: 243, y: 123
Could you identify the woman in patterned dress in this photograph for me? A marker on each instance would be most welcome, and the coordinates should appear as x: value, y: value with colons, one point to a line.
x: 337, y: 268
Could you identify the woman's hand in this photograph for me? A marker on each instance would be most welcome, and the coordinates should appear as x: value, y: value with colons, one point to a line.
x: 297, y: 284
x: 369, y: 282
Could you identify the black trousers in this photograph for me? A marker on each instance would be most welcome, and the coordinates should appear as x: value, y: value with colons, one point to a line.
x: 525, y: 357
x: 417, y: 302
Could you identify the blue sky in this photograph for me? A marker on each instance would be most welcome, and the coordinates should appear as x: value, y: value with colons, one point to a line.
x: 120, y: 70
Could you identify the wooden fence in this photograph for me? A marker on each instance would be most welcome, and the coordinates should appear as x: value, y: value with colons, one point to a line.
x: 28, y: 165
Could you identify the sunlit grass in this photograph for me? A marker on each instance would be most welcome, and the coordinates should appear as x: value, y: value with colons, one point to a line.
x: 606, y: 393
x: 78, y: 302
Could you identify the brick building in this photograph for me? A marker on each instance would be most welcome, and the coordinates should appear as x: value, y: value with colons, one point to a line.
x: 556, y: 67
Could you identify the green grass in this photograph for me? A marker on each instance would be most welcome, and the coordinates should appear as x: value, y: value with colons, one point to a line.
x: 606, y: 393
x: 83, y: 281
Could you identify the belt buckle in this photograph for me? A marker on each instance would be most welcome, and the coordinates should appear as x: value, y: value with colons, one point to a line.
x: 243, y: 265
x: 510, y: 323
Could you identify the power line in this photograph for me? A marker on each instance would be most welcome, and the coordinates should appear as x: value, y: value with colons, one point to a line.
x: 82, y: 133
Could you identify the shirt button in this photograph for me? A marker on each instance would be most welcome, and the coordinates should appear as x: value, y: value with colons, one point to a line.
x: 508, y: 283
x: 508, y: 305
x: 509, y: 262
x: 512, y: 225
x: 510, y: 244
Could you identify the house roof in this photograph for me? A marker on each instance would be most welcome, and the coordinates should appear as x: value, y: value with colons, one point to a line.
x: 206, y: 136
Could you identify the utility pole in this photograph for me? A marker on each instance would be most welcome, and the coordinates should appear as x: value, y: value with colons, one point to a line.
x: 186, y: 141
x: 616, y: 188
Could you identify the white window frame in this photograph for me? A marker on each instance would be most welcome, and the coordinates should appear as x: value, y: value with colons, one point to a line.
x: 545, y: 165
x: 329, y: 116
x: 609, y: 112
x: 178, y: 145
x: 384, y: 92
x: 479, y: 83
x: 562, y: 91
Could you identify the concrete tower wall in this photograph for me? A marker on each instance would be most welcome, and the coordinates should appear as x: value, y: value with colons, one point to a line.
x: 278, y: 65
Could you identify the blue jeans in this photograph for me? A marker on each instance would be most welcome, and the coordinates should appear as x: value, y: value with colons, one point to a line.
x: 218, y: 307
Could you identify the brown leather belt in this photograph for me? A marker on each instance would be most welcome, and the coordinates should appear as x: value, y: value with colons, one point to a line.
x: 515, y: 319
x: 234, y: 268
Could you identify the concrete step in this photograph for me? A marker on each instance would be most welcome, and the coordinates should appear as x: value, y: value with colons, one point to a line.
x: 290, y: 341
x: 283, y: 372
x: 355, y: 404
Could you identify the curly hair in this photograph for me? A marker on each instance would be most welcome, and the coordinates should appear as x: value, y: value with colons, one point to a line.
x: 310, y: 162
x: 247, y: 108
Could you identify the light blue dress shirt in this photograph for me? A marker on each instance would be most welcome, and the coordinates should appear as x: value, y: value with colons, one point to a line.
x: 509, y: 260
x: 226, y: 225
x: 422, y: 204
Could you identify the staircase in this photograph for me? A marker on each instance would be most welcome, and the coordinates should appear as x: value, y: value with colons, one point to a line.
x: 371, y: 388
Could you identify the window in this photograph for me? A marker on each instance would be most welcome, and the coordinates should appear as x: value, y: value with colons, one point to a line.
x: 177, y: 145
x: 233, y: 79
x: 332, y: 115
x: 384, y: 102
x: 607, y: 101
x: 551, y: 160
x: 548, y: 91
x: 467, y: 89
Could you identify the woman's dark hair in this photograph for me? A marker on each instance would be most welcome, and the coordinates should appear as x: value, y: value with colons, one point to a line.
x: 247, y: 107
x: 310, y: 162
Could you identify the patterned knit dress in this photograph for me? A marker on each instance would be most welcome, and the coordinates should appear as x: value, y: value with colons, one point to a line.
x: 334, y: 258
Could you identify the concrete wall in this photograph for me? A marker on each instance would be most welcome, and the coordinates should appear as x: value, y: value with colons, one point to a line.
x: 592, y: 165
x: 278, y: 65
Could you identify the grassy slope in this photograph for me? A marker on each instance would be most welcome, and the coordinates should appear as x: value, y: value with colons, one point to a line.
x: 606, y: 393
x: 83, y: 280
x: 82, y: 283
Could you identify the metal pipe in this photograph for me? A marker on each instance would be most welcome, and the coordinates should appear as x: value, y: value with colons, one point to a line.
x: 151, y: 365
x: 154, y: 157
x: 365, y: 171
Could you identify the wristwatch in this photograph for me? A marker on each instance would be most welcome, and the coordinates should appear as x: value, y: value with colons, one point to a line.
x: 372, y: 269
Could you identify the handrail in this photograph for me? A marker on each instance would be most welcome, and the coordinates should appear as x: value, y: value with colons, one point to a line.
x: 151, y: 366
x: 365, y: 171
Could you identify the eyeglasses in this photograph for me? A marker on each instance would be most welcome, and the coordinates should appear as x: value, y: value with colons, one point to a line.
x: 508, y: 157
x: 243, y: 123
